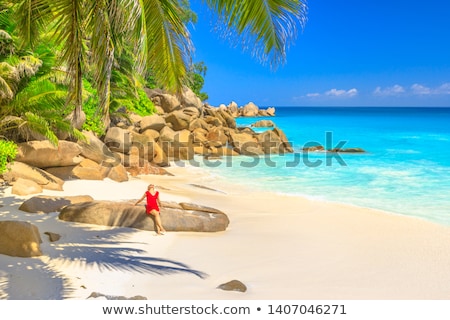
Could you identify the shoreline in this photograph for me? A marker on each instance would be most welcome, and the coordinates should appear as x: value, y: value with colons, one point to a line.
x: 279, y: 246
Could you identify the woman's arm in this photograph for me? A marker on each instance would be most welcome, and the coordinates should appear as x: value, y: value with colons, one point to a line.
x: 158, y: 201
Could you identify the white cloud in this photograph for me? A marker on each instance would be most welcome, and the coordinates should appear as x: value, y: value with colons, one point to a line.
x: 389, y: 91
x: 342, y: 93
x: 334, y: 93
x: 422, y: 90
x: 444, y: 89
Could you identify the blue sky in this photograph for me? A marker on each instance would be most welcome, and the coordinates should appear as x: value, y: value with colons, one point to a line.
x: 350, y: 53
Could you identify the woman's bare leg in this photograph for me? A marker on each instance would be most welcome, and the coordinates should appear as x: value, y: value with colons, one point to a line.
x: 159, y: 226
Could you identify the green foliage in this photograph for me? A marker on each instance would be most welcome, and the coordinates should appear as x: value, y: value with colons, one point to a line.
x: 142, y: 106
x: 196, y: 75
x: 6, y: 44
x: 39, y: 109
x: 94, y: 121
x: 8, y: 151
x: 187, y: 15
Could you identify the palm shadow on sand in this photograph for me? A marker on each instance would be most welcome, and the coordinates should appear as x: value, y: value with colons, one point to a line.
x: 82, y: 246
x: 107, y: 250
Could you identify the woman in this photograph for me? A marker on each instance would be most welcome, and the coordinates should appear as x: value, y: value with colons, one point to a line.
x: 152, y: 207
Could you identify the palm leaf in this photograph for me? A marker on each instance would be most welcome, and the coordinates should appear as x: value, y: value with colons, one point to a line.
x: 9, y: 81
x: 40, y: 125
x: 265, y: 27
x: 70, y: 32
x: 167, y: 43
x: 102, y: 53
x: 32, y: 17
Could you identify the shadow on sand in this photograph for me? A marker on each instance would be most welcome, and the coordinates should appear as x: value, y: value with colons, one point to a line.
x: 82, y: 246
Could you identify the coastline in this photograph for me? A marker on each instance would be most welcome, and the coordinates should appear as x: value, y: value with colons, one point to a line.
x: 279, y: 246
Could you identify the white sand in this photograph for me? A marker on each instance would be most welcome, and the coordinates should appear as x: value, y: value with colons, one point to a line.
x: 281, y: 247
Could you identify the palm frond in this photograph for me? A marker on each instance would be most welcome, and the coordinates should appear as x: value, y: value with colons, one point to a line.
x: 265, y: 27
x: 39, y: 125
x: 9, y: 81
x: 70, y: 32
x: 167, y: 43
x: 31, y: 17
x: 102, y: 53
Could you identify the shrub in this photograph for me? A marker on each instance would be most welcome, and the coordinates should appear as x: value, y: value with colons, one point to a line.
x: 8, y: 151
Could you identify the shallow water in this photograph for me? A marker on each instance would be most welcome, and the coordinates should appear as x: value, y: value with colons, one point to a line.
x: 405, y: 170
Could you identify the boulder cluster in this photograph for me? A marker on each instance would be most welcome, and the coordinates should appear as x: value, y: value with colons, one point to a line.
x: 134, y: 145
x: 184, y: 127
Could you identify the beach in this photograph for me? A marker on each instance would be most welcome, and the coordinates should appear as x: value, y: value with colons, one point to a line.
x: 280, y: 246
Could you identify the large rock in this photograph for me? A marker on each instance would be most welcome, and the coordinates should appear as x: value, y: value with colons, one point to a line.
x: 45, y: 179
x: 167, y: 102
x: 24, y: 187
x: 94, y: 149
x: 271, y: 142
x: 199, y: 136
x: 136, y: 165
x: 118, y: 173
x: 179, y: 120
x: 86, y: 170
x: 263, y: 123
x: 284, y: 140
x: 90, y: 170
x: 118, y: 139
x: 217, y: 137
x: 167, y: 134
x: 177, y: 145
x: 233, y: 109
x: 44, y: 154
x: 153, y: 122
x: 198, y: 123
x: 250, y: 110
x: 190, y: 99
x: 230, y: 121
x: 122, y: 214
x: 270, y: 111
x: 47, y: 204
x: 245, y: 144
x: 145, y: 145
x: 19, y: 239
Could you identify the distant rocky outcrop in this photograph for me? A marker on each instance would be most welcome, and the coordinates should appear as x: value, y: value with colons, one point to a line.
x: 263, y: 123
x: 123, y: 214
x: 19, y: 239
x: 319, y: 148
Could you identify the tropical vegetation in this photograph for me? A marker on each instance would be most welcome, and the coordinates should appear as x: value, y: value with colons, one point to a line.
x: 68, y: 65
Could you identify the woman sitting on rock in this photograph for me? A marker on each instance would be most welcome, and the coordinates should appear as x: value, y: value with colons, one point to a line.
x: 152, y: 207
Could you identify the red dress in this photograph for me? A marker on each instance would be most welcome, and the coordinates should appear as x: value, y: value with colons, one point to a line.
x: 152, y: 204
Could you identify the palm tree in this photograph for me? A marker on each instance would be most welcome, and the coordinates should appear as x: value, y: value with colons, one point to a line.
x: 92, y: 33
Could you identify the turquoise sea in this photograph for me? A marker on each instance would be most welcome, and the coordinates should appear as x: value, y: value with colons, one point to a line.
x: 406, y: 169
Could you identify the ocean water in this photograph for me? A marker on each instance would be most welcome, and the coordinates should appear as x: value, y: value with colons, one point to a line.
x: 405, y: 170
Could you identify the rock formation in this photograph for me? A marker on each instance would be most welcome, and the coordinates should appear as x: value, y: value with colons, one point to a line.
x: 192, y: 217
